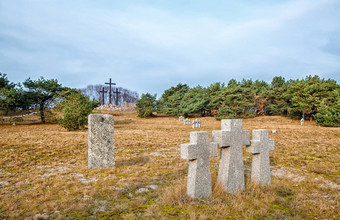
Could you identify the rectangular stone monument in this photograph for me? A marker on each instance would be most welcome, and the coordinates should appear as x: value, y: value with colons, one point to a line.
x: 230, y: 139
x: 101, y: 149
x: 198, y: 152
x: 260, y: 147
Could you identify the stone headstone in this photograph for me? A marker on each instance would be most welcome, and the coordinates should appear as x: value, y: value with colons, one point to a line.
x: 194, y: 122
x: 230, y: 139
x: 199, y: 124
x: 187, y: 121
x: 198, y: 152
x: 181, y: 118
x: 260, y: 145
x: 302, y: 121
x: 101, y: 149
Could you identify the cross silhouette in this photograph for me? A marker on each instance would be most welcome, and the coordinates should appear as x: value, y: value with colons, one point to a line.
x: 260, y: 147
x: 116, y: 99
x: 103, y: 91
x: 110, y: 92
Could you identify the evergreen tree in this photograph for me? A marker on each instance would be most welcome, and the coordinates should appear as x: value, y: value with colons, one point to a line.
x: 277, y: 103
x: 42, y: 92
x: 195, y: 102
x: 146, y: 105
x: 171, y: 99
x: 75, y: 109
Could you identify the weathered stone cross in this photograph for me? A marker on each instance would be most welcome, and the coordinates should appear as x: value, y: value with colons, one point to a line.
x: 198, y: 152
x: 260, y: 147
x: 230, y: 139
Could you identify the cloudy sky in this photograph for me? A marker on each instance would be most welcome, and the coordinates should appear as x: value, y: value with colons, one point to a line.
x: 149, y: 45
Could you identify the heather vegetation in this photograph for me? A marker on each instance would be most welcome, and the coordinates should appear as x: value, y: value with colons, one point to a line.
x: 44, y: 173
x: 309, y: 98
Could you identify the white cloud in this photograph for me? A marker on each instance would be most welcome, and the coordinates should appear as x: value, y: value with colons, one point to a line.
x: 148, y: 47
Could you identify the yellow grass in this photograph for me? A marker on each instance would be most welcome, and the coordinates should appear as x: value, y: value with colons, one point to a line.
x: 43, y: 173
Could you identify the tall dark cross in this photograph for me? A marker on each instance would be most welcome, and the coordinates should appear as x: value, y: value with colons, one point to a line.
x: 116, y: 99
x: 103, y: 91
x: 110, y: 91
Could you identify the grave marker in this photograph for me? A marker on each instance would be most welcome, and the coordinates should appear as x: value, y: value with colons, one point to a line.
x: 101, y: 149
x: 198, y: 152
x: 260, y: 147
x: 230, y: 139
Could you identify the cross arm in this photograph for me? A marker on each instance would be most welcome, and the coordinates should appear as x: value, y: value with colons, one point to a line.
x: 254, y: 147
x: 221, y: 137
x: 245, y: 137
x: 189, y: 151
x: 271, y: 143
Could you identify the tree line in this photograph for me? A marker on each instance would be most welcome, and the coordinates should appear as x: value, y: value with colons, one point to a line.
x: 311, y: 98
x: 71, y: 107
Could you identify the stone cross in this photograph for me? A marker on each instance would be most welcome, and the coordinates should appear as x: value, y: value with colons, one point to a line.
x: 260, y: 146
x: 198, y: 152
x: 101, y: 149
x: 302, y: 121
x: 230, y: 139
x: 194, y: 122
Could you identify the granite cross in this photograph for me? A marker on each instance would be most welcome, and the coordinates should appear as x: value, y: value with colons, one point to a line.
x: 230, y: 139
x: 198, y: 152
x: 194, y: 122
x: 103, y: 91
x: 110, y: 91
x: 260, y: 146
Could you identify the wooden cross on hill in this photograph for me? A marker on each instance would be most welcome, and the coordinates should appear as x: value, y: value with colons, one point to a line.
x: 103, y: 91
x: 230, y: 139
x: 116, y: 99
x: 198, y: 152
x: 110, y: 91
x: 260, y: 147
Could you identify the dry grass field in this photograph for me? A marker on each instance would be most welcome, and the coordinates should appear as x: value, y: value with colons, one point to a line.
x: 44, y: 175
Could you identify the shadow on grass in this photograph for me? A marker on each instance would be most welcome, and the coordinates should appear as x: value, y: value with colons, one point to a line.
x: 133, y: 161
x: 123, y: 122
